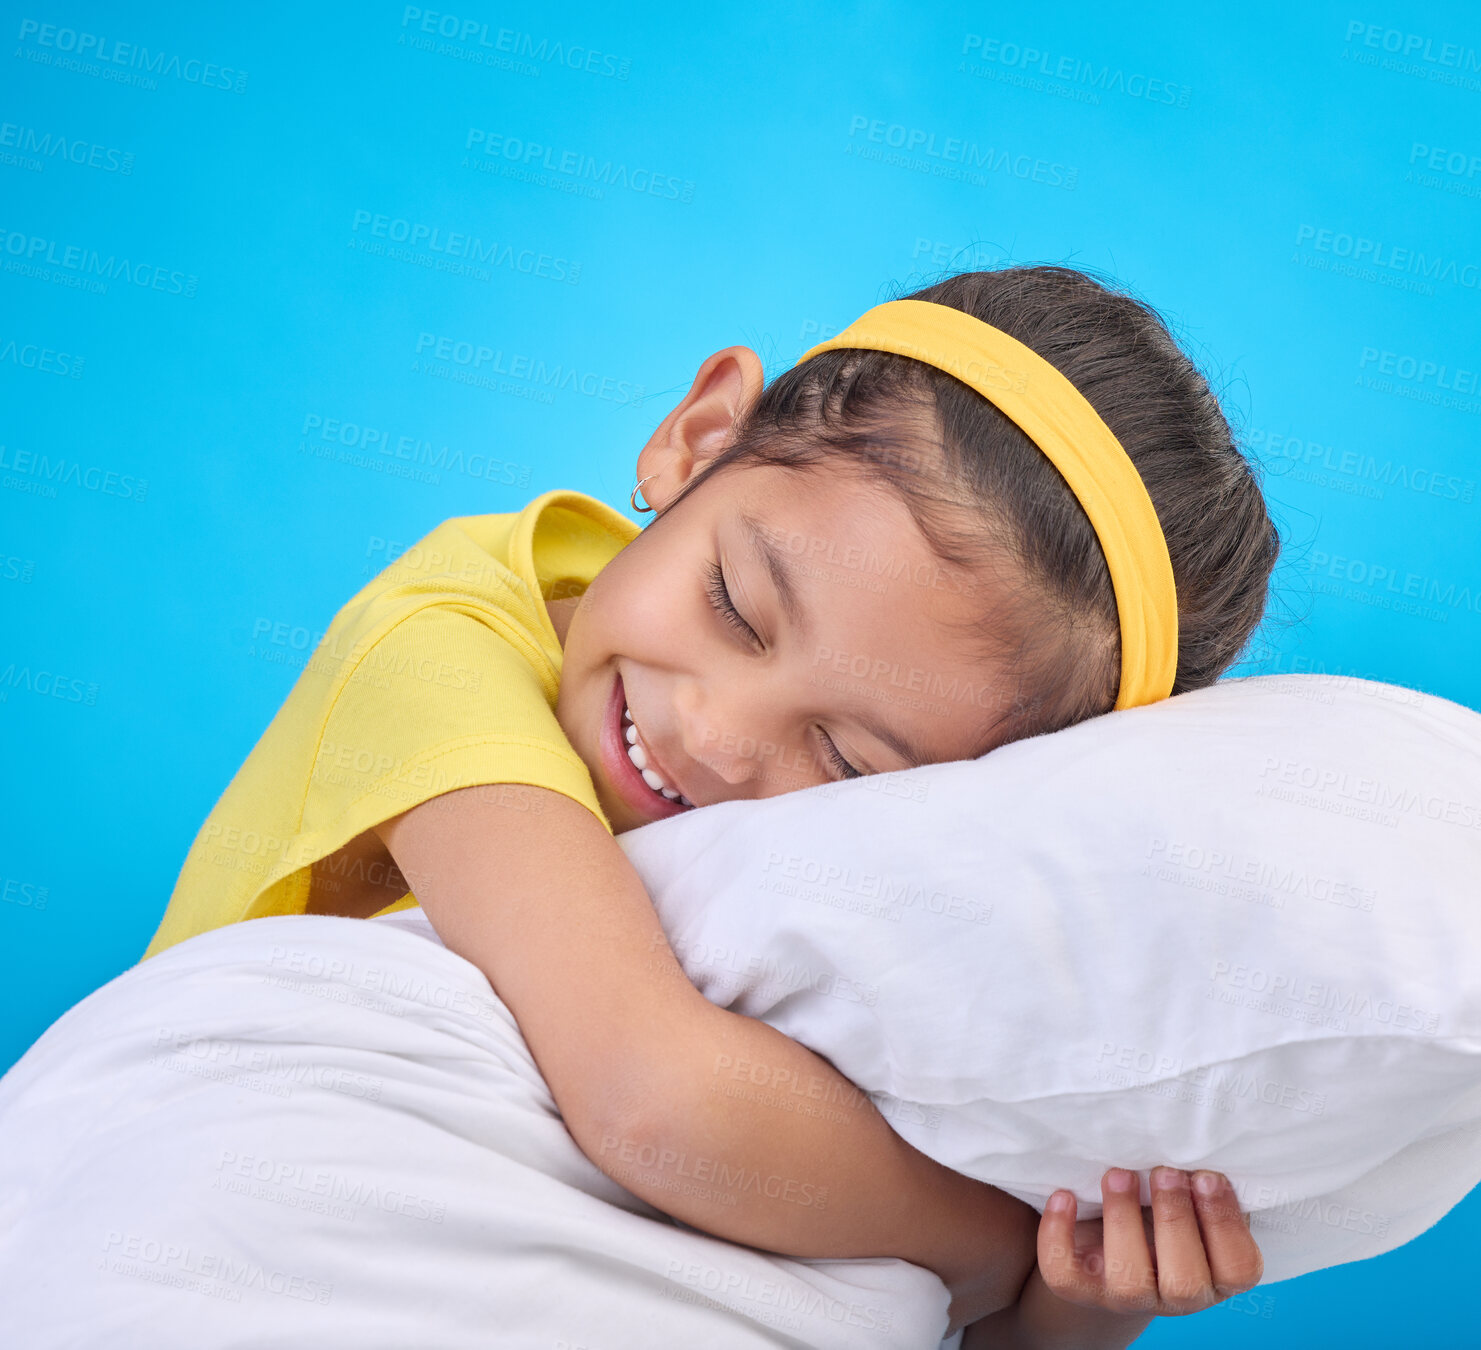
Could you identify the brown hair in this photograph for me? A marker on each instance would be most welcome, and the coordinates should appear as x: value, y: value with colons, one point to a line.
x: 956, y: 459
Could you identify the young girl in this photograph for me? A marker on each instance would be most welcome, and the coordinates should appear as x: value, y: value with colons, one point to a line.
x: 483, y: 718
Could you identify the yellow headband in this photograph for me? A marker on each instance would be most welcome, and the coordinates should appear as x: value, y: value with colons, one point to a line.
x: 1058, y: 419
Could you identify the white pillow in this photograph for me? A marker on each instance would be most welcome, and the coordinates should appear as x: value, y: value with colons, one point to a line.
x: 1239, y: 929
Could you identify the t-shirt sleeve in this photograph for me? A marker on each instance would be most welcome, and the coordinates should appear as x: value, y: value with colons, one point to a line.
x: 441, y: 701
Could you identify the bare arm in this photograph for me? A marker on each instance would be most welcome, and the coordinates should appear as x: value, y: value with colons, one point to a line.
x: 547, y: 905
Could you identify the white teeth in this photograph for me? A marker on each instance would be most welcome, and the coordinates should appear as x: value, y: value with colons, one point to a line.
x: 639, y: 757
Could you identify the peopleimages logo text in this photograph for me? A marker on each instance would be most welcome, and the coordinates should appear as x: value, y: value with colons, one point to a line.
x: 455, y: 244
x: 577, y: 164
x: 131, y: 55
x: 1415, y: 46
x: 1075, y: 72
x: 954, y: 153
x: 1358, y: 248
x: 1456, y: 379
x: 39, y: 253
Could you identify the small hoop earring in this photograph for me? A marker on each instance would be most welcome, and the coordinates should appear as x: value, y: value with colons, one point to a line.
x: 633, y: 496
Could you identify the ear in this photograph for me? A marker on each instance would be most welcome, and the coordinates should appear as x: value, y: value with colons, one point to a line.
x: 700, y: 427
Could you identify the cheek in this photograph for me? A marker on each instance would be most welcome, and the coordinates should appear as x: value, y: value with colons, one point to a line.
x: 649, y: 603
x: 646, y: 624
x: 622, y: 608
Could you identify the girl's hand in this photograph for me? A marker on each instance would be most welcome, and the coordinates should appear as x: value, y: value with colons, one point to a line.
x: 1201, y: 1250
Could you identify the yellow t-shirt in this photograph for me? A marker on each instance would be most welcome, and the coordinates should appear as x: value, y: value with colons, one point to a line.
x: 442, y: 673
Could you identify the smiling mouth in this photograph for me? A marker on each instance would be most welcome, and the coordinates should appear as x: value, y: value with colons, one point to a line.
x: 629, y: 765
x: 639, y: 757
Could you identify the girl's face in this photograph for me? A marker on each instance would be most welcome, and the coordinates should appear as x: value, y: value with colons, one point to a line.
x: 838, y: 657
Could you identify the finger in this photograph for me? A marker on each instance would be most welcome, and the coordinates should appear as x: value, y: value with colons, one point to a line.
x: 1234, y: 1259
x: 1059, y: 1261
x: 1183, y: 1281
x: 1131, y: 1280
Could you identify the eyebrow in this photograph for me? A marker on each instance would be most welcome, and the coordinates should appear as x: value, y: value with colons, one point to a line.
x: 780, y: 569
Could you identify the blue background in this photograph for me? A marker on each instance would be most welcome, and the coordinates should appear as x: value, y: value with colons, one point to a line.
x: 219, y: 499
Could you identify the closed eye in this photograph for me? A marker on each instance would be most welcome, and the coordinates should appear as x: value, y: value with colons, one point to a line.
x: 721, y: 602
x: 844, y: 768
x: 723, y: 605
